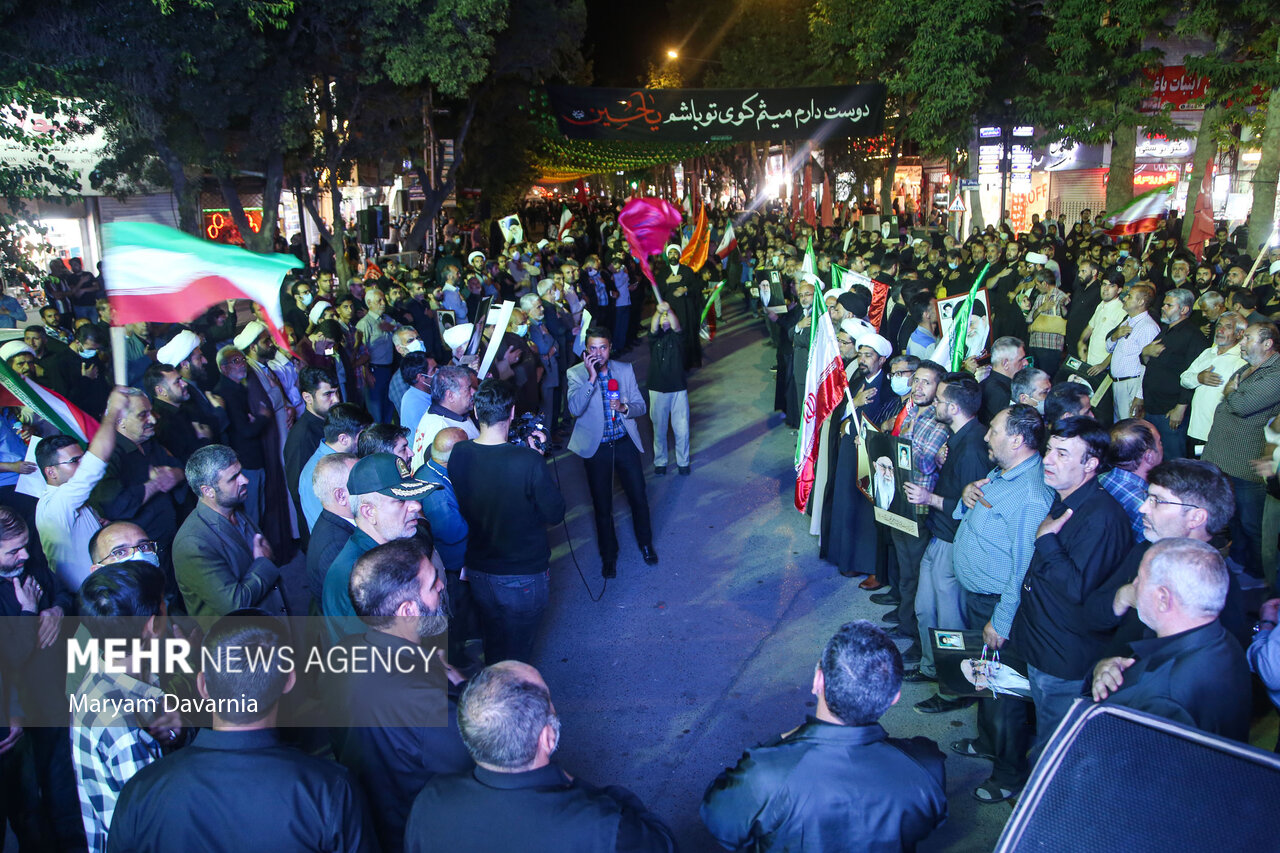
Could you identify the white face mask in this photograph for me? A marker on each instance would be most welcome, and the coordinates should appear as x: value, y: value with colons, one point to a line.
x: 953, y: 265
x: 900, y: 384
x: 152, y: 558
x: 522, y: 329
x: 416, y: 346
x: 88, y: 353
x: 305, y: 299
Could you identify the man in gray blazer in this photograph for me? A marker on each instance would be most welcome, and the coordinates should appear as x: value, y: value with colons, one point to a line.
x: 222, y: 561
x: 605, y: 400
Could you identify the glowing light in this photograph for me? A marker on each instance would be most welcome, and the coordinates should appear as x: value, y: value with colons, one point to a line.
x: 673, y: 54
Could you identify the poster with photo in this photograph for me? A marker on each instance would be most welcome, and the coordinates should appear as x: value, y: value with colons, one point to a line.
x: 978, y: 335
x: 890, y: 462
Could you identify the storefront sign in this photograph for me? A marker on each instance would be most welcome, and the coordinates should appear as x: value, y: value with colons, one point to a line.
x: 221, y: 228
x: 1149, y: 176
x: 698, y: 115
x: 1172, y: 85
x: 1157, y: 146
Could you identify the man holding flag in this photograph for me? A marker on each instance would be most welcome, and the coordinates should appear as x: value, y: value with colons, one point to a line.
x: 682, y: 290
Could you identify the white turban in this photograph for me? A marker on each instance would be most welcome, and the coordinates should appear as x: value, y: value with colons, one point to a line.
x: 471, y: 257
x: 177, y: 350
x: 318, y: 309
x: 1037, y: 258
x: 13, y: 348
x: 251, y: 333
x: 456, y: 336
x: 876, y: 342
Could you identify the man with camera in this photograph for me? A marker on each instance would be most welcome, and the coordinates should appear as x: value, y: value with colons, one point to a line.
x: 605, y: 399
x: 508, y: 499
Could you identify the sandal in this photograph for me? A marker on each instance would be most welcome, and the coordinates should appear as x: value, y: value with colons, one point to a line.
x: 968, y: 748
x: 990, y: 792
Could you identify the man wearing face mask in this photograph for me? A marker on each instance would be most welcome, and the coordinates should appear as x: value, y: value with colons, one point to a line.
x: 221, y: 561
x: 407, y: 340
x: 1030, y: 386
x: 384, y: 498
x: 77, y: 373
x: 64, y: 519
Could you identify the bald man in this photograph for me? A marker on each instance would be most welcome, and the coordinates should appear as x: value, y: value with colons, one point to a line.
x: 449, y: 529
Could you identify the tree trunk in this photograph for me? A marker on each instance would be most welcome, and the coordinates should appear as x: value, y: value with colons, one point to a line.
x: 436, y: 191
x: 1262, y: 215
x: 1205, y: 150
x: 1120, y: 177
x: 338, y: 232
x: 886, y: 182
x: 187, y: 192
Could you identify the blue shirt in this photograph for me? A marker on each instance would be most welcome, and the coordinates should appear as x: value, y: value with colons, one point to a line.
x: 440, y: 508
x: 413, y: 405
x: 994, y: 545
x: 16, y: 313
x: 1130, y: 491
x: 12, y: 447
x: 311, y: 506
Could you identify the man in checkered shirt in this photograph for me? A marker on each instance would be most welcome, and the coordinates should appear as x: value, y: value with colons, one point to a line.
x: 118, y: 725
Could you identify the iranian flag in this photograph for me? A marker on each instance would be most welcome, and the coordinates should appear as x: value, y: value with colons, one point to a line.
x: 728, y: 242
x: 158, y: 274
x: 1142, y: 215
x: 825, y: 384
x: 66, y: 417
x: 810, y: 263
x: 566, y: 222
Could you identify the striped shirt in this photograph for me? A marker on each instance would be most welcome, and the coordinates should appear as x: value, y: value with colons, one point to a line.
x: 927, y: 436
x: 1236, y: 438
x: 993, y: 546
x: 1126, y: 361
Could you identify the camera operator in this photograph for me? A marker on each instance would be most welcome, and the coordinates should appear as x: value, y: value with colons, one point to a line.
x: 508, y: 499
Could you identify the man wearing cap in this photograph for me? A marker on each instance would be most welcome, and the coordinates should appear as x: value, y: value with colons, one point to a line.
x: 386, y: 502
x: 221, y: 560
x: 682, y: 290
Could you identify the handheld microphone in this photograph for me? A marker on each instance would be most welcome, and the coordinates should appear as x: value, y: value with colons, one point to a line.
x: 611, y: 392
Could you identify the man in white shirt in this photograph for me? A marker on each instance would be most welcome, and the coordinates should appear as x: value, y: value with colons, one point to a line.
x: 452, y: 394
x: 1209, y: 373
x: 1125, y: 343
x: 64, y: 519
x: 1105, y: 318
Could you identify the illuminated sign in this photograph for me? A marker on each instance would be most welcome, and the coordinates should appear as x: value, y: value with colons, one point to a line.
x: 221, y: 228
x: 988, y: 133
x: 1149, y: 176
x: 988, y: 159
x: 1024, y: 130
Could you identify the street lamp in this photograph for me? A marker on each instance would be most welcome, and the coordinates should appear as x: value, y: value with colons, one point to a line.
x: 673, y: 54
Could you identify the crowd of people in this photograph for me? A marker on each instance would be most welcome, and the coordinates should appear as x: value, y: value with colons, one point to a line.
x: 1110, y: 537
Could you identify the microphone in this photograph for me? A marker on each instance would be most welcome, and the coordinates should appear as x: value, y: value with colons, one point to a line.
x: 611, y: 392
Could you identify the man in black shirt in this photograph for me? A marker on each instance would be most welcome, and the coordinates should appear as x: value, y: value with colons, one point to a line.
x: 403, y: 720
x: 1078, y: 547
x: 319, y: 394
x: 175, y: 432
x: 508, y: 499
x: 238, y: 776
x: 1008, y: 357
x: 1164, y: 401
x: 516, y: 798
x: 1085, y: 299
x: 668, y: 389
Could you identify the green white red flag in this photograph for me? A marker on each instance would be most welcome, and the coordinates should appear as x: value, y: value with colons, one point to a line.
x: 158, y: 274
x: 66, y: 417
x: 825, y: 385
x: 1146, y: 213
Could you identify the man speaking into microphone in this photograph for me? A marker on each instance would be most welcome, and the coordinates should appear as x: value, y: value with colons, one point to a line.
x: 605, y: 400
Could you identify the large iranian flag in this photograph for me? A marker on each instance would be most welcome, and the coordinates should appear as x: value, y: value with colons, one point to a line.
x: 66, y: 417
x: 158, y: 274
x: 825, y: 384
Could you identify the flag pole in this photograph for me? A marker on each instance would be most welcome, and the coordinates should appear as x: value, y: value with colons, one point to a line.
x: 1262, y: 251
x: 117, y: 354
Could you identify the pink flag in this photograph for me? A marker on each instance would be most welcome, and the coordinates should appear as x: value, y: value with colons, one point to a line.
x: 647, y: 224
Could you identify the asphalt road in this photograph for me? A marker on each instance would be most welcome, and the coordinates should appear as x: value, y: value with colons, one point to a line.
x: 678, y: 667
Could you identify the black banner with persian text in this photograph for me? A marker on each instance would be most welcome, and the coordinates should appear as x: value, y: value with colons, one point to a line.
x: 718, y: 115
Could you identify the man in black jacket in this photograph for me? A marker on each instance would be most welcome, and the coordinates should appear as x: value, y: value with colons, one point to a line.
x: 1078, y: 547
x: 238, y: 775
x: 1163, y: 401
x: 245, y: 427
x: 175, y: 431
x: 516, y: 798
x: 336, y: 522
x: 838, y: 782
x: 1192, y: 671
x: 319, y: 394
x: 403, y: 722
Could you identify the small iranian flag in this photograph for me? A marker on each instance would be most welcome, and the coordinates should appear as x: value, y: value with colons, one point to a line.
x: 825, y: 383
x: 728, y: 242
x: 566, y: 222
x: 1142, y: 215
x: 66, y: 417
x: 158, y: 274
x: 810, y: 262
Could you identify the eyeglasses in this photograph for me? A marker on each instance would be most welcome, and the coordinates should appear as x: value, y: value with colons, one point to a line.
x: 844, y: 342
x: 1152, y: 499
x: 236, y: 360
x: 71, y: 461
x: 123, y: 552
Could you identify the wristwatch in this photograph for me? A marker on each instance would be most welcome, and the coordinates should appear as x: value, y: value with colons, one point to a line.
x: 1263, y: 625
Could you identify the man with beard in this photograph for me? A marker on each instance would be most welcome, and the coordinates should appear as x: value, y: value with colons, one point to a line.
x: 319, y: 394
x: 201, y: 408
x: 1162, y: 399
x: 175, y: 432
x: 403, y: 719
x: 682, y: 290
x: 267, y: 394
x: 222, y: 562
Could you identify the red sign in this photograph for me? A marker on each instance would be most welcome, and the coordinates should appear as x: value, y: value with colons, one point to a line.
x: 1149, y: 176
x: 221, y: 228
x: 1173, y: 85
